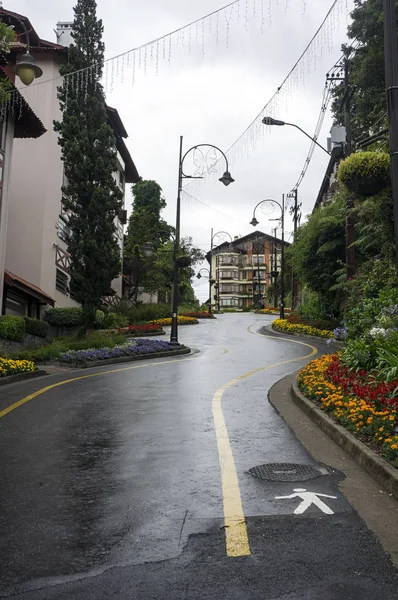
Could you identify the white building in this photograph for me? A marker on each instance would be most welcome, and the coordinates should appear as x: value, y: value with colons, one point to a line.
x: 37, y: 233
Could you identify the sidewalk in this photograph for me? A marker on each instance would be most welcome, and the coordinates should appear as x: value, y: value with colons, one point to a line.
x: 375, y: 506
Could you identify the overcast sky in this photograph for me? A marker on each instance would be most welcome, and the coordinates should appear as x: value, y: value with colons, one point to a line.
x: 211, y: 93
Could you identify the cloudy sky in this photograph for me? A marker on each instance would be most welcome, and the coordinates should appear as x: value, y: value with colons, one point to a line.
x: 208, y: 83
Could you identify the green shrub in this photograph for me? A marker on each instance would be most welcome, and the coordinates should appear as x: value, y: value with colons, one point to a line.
x: 36, y: 327
x: 64, y: 317
x: 365, y: 173
x: 12, y: 328
x: 114, y: 320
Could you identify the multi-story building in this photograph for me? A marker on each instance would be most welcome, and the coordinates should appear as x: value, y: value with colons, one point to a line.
x: 37, y: 262
x: 243, y: 269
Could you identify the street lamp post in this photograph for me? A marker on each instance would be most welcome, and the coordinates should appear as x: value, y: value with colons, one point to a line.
x: 254, y: 222
x: 211, y: 282
x: 26, y: 68
x: 218, y: 234
x: 226, y: 179
x: 271, y: 121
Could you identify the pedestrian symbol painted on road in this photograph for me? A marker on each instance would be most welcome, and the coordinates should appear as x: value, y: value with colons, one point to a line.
x: 308, y: 498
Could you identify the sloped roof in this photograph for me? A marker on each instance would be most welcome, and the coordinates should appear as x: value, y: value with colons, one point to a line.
x: 17, y: 282
x: 27, y: 123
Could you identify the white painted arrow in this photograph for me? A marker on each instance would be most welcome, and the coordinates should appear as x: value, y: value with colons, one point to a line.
x: 308, y: 498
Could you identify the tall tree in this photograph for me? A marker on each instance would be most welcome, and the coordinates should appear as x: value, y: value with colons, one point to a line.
x: 145, y: 225
x: 91, y: 195
x: 366, y: 68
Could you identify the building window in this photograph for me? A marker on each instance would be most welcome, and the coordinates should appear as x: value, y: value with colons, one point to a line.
x: 228, y: 260
x: 61, y: 282
x: 258, y: 260
x: 229, y: 274
x: 228, y: 288
x: 64, y: 231
x: 229, y: 302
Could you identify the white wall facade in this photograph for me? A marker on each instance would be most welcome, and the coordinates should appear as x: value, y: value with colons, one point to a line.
x: 33, y: 241
x: 4, y: 201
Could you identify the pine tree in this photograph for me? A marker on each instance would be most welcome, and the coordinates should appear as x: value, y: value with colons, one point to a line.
x: 91, y: 195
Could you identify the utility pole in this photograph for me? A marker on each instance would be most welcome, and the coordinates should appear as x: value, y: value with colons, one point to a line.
x: 295, y: 212
x: 391, y: 78
x: 350, y: 223
x: 276, y: 276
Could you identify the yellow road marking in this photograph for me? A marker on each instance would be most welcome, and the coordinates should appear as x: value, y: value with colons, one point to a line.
x: 236, y: 535
x: 12, y: 407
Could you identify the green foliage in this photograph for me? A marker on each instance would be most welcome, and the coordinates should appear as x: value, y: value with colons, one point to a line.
x: 366, y: 66
x: 141, y: 313
x: 56, y: 347
x: 387, y: 362
x: 12, y: 328
x: 365, y: 173
x: 375, y: 228
x: 71, y: 317
x: 64, y: 317
x: 88, y: 145
x: 145, y: 225
x: 113, y: 320
x: 375, y: 278
x: 359, y: 354
x: 318, y: 252
x: 7, y: 36
x: 36, y: 327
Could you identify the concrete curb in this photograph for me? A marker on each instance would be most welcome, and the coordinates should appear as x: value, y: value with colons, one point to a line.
x: 373, y: 464
x: 125, y: 359
x: 22, y: 377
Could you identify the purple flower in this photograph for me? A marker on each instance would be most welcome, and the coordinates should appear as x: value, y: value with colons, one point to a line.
x: 140, y: 346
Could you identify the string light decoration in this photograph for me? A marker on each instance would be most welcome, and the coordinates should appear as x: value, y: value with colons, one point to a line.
x: 151, y: 56
x: 247, y: 142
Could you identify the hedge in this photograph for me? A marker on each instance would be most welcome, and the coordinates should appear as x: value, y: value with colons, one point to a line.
x: 64, y: 317
x: 36, y: 327
x: 71, y: 317
x: 12, y: 328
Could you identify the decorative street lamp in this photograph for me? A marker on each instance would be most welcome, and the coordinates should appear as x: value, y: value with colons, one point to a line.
x: 211, y: 282
x: 226, y: 179
x: 221, y: 235
x: 26, y: 68
x: 272, y: 122
x: 254, y: 222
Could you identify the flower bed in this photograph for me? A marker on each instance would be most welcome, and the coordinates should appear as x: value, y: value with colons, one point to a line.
x: 134, y: 349
x: 180, y: 320
x: 285, y: 326
x: 139, y: 330
x: 358, y: 401
x: 199, y: 314
x: 270, y: 311
x: 14, y: 367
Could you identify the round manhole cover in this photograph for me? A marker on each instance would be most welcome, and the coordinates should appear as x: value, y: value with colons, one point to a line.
x: 286, y: 472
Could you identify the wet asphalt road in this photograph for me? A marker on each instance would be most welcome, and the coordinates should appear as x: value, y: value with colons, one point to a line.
x: 111, y: 485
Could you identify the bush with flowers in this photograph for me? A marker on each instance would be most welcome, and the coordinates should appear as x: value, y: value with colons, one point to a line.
x: 357, y: 400
x: 285, y: 326
x: 270, y: 311
x: 14, y: 367
x: 180, y: 320
x: 136, y: 330
x: 198, y: 314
